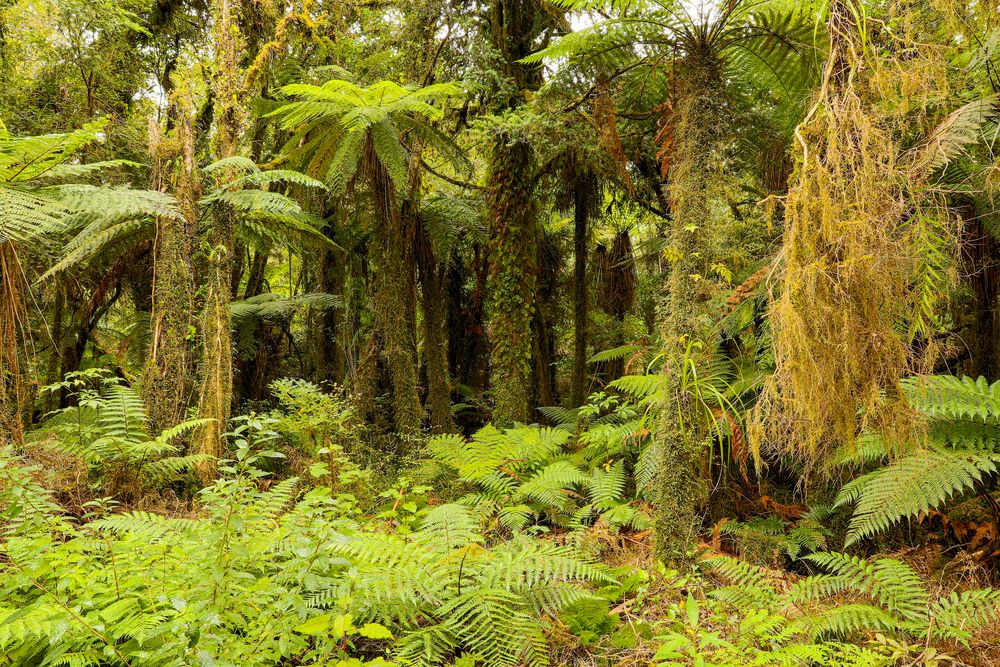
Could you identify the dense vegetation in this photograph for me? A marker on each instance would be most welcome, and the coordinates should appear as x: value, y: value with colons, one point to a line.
x: 501, y: 333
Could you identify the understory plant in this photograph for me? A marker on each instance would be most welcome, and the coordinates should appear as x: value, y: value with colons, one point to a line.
x: 263, y: 572
x: 858, y: 612
x: 957, y: 456
x: 106, y: 425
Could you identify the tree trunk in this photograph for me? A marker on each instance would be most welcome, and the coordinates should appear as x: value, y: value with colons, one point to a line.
x: 434, y: 301
x: 217, y: 362
x: 514, y: 25
x: 681, y: 485
x: 981, y: 258
x: 13, y: 388
x: 581, y: 212
x: 512, y: 258
x: 394, y: 324
x: 166, y: 380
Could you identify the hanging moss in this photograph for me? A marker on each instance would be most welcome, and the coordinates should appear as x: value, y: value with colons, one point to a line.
x: 854, y: 291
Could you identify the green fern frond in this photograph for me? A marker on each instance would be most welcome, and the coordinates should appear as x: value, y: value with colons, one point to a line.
x: 843, y: 620
x: 448, y: 527
x: 607, y: 487
x: 949, y: 397
x: 552, y: 484
x: 748, y: 581
x: 959, y: 614
x: 909, y: 486
x: 889, y: 582
x: 639, y: 387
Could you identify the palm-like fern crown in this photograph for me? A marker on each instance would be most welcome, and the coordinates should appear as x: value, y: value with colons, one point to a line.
x: 264, y: 216
x: 332, y: 122
x: 107, y: 222
x: 765, y: 45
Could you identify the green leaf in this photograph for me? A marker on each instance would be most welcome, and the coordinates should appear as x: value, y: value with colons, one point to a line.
x: 317, y: 625
x: 691, y: 607
x: 374, y: 631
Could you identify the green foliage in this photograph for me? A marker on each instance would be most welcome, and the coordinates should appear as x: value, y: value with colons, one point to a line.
x: 525, y: 476
x: 331, y: 123
x: 958, y: 458
x: 824, y: 618
x: 107, y: 222
x: 107, y: 428
x: 765, y: 539
x: 258, y: 577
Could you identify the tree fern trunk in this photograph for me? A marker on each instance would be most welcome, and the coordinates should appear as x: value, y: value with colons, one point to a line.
x: 681, y: 487
x: 512, y: 257
x: 217, y: 361
x: 166, y: 380
x: 514, y: 25
x: 581, y: 209
x: 332, y: 280
x: 434, y: 302
x: 13, y: 390
x: 981, y: 257
x: 392, y: 254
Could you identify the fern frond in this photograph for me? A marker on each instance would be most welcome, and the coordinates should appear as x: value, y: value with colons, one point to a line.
x: 448, y: 527
x: 908, y: 486
x: 843, y: 620
x: 959, y: 614
x: 639, y: 386
x: 552, y: 484
x: 949, y: 397
x: 889, y: 582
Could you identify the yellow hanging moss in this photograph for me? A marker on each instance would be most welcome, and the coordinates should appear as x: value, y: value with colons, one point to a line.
x: 848, y: 291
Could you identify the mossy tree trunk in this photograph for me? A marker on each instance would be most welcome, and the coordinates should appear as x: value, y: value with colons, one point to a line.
x: 332, y: 280
x: 216, y: 325
x: 433, y: 275
x: 395, y: 336
x: 681, y: 485
x: 512, y: 257
x: 512, y: 219
x: 981, y: 259
x: 166, y: 381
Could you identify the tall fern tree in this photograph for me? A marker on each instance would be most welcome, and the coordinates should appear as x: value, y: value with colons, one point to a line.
x: 35, y: 202
x: 711, y: 59
x: 349, y: 136
x: 217, y: 359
